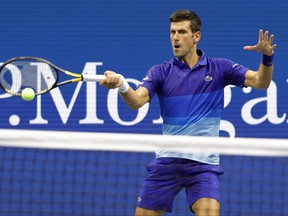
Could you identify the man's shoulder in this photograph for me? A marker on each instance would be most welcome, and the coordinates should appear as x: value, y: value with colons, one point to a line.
x: 219, y: 60
x: 167, y: 63
x: 164, y: 66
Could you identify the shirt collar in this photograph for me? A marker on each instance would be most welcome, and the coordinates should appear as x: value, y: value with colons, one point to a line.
x: 202, y: 61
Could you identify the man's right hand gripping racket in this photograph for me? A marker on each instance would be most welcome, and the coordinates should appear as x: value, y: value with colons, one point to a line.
x: 42, y: 76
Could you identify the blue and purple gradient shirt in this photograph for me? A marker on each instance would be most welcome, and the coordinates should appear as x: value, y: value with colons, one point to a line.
x: 191, y: 99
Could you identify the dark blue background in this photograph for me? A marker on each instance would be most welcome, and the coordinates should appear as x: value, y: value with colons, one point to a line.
x: 129, y: 37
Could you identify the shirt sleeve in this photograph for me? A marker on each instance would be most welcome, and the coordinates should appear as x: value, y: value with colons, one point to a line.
x: 152, y: 80
x: 234, y: 73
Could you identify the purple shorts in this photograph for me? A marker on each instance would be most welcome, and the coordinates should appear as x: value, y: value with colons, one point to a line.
x: 168, y: 176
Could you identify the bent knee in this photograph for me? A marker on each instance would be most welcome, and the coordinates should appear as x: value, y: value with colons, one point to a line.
x: 146, y: 212
x: 206, y: 207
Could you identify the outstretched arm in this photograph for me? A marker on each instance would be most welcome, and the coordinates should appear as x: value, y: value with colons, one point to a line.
x: 262, y: 77
x: 133, y: 98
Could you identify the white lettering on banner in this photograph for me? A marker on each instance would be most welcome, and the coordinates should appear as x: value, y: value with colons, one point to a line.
x: 65, y: 108
x: 91, y: 98
x: 158, y: 121
x: 112, y: 104
x: 224, y: 124
x: 61, y: 106
x: 5, y: 95
x: 40, y: 70
x: 271, y: 103
x: 15, y: 85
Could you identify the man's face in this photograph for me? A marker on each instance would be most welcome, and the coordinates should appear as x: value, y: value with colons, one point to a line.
x: 182, y: 38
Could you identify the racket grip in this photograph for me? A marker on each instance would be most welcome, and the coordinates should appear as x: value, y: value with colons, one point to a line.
x: 93, y: 78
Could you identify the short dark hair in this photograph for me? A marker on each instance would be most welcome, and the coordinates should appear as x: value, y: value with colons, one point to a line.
x: 182, y: 15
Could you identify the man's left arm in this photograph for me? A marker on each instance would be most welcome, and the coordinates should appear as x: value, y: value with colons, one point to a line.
x: 261, y: 78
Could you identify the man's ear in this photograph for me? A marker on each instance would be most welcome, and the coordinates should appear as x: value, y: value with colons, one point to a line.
x: 197, y: 36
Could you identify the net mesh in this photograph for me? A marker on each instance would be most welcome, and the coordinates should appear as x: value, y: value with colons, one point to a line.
x: 73, y: 173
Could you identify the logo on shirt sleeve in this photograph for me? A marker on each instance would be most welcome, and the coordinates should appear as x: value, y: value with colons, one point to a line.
x: 143, y: 80
x: 146, y: 78
x: 235, y: 65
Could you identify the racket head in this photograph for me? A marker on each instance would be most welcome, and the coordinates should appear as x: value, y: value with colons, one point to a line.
x: 23, y: 72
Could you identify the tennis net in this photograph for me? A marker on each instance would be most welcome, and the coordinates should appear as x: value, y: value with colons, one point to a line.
x: 83, y: 173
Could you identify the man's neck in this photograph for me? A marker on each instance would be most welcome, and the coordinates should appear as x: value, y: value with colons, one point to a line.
x: 191, y: 59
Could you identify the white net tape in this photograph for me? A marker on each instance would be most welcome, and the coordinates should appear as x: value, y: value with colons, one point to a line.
x: 142, y: 142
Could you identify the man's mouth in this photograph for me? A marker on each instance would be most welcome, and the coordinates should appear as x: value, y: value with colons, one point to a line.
x: 176, y: 46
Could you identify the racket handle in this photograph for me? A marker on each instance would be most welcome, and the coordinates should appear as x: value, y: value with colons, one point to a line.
x: 94, y: 78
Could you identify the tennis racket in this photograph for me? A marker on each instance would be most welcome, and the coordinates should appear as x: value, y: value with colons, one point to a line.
x: 39, y: 74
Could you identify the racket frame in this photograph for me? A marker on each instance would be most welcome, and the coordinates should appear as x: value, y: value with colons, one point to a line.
x: 77, y: 77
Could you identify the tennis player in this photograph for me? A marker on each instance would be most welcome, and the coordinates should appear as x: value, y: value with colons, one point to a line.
x: 190, y: 88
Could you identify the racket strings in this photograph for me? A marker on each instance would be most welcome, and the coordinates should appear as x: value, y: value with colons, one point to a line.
x: 21, y: 74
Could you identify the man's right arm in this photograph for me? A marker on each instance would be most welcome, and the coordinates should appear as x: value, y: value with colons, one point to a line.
x: 136, y: 98
x: 133, y: 98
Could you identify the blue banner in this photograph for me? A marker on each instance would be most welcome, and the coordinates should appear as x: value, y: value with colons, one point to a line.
x: 129, y: 37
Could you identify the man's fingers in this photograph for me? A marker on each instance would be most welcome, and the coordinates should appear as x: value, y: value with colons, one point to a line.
x: 266, y: 36
x: 271, y: 39
x: 261, y: 35
x: 112, y: 80
x: 249, y: 47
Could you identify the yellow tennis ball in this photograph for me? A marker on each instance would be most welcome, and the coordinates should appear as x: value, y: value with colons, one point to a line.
x: 27, y: 94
